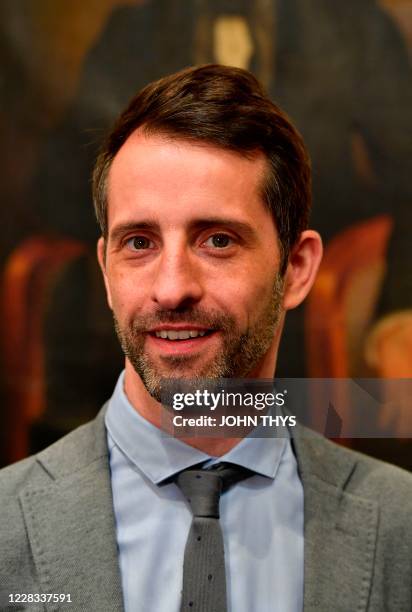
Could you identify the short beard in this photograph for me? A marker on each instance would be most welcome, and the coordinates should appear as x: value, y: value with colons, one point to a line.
x: 240, y: 354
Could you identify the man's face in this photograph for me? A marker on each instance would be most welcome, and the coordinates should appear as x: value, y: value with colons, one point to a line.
x: 192, y: 260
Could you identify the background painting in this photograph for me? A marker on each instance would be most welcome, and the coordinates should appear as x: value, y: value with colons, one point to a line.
x: 342, y: 71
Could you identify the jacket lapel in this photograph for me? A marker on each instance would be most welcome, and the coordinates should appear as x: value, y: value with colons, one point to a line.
x: 70, y: 522
x: 340, y: 528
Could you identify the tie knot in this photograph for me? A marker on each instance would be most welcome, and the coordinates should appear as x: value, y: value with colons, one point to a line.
x: 202, y: 488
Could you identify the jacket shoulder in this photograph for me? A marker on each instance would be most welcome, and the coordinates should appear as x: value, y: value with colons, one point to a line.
x: 375, y: 479
x: 71, y: 453
x: 386, y: 486
x: 357, y: 474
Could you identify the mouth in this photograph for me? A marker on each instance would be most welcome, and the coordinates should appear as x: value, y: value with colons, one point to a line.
x: 180, y: 340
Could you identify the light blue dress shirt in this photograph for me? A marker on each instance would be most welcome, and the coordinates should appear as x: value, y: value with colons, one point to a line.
x: 261, y: 518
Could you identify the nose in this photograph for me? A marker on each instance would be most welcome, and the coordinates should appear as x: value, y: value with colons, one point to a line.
x: 177, y: 283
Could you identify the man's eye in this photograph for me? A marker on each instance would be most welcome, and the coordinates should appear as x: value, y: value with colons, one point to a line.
x: 219, y: 241
x: 137, y: 243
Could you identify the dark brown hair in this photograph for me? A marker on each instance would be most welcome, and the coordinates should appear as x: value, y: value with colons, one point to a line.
x: 228, y: 108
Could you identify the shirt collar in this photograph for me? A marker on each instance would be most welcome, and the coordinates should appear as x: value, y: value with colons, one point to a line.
x: 160, y: 456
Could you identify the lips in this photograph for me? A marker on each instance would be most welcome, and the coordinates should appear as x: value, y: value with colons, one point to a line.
x: 179, y: 340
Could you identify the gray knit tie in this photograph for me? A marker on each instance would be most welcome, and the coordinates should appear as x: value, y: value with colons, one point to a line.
x: 204, y: 580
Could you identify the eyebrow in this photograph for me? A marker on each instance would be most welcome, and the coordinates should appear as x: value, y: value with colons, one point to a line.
x: 196, y: 225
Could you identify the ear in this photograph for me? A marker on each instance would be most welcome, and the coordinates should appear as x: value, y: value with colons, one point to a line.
x: 303, y: 265
x: 101, y: 258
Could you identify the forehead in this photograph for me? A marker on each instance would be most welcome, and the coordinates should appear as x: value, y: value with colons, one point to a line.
x: 176, y: 179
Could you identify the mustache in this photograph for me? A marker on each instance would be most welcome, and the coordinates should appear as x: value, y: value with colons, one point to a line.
x: 192, y: 316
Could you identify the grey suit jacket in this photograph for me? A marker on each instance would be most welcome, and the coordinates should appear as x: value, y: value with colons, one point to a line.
x: 57, y: 530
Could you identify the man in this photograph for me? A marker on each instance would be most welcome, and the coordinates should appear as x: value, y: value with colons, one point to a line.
x: 326, y: 63
x: 202, y: 192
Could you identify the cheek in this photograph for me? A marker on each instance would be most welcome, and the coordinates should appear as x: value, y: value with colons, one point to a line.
x: 243, y: 296
x: 126, y: 295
